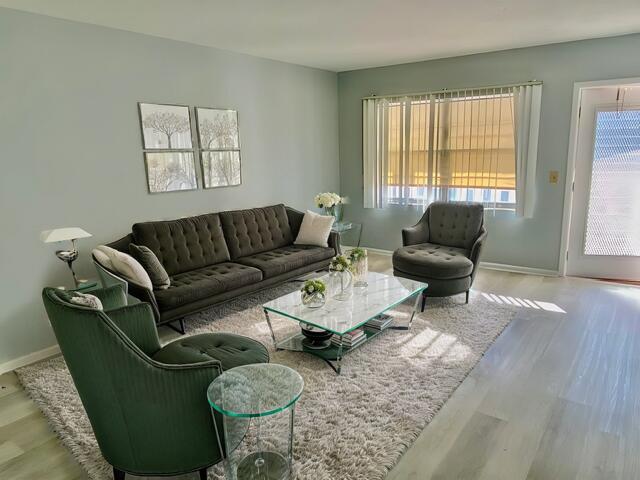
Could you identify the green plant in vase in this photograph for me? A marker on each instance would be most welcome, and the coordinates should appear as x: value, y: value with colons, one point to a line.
x: 341, y: 278
x: 359, y: 266
x: 313, y: 293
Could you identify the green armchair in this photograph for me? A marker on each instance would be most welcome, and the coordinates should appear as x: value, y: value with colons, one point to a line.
x: 146, y: 403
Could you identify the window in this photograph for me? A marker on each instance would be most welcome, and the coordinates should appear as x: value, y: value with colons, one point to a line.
x: 451, y: 146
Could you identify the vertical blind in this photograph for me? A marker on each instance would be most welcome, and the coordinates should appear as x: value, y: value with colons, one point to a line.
x: 459, y: 145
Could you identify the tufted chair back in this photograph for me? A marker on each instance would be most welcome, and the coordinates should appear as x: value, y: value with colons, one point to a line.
x: 184, y: 244
x: 256, y: 230
x: 455, y: 224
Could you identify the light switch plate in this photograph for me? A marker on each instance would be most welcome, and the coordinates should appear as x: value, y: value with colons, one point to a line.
x: 553, y: 176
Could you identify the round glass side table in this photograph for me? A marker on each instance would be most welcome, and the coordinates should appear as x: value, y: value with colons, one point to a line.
x: 257, y: 404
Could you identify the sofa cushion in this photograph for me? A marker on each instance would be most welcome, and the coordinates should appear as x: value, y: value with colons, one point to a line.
x: 231, y: 350
x: 197, y: 284
x: 433, y: 261
x: 282, y: 260
x: 185, y: 244
x: 256, y: 230
x: 455, y: 224
x: 158, y: 275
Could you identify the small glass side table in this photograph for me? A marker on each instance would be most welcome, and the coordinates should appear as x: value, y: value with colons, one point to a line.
x: 341, y: 228
x: 257, y: 403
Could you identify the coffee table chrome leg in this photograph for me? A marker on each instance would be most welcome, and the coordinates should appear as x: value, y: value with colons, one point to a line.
x: 273, y: 336
x: 416, y: 307
x: 339, y: 357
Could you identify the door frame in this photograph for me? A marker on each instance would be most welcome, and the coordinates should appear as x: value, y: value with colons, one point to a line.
x: 578, y: 88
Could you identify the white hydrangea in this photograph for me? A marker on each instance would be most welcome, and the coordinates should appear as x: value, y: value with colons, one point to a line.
x: 327, y: 199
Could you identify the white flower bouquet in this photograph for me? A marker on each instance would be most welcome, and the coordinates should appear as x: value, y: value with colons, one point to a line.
x: 328, y: 200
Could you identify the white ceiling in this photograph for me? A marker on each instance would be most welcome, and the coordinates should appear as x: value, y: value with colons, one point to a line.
x: 350, y: 34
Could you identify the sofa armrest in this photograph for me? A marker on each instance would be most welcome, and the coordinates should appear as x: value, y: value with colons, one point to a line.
x: 419, y: 233
x: 334, y: 242
x: 137, y: 323
x: 295, y: 220
x: 476, y: 249
x: 111, y: 297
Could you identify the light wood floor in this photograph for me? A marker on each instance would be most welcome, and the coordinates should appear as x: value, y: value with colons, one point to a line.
x: 556, y: 397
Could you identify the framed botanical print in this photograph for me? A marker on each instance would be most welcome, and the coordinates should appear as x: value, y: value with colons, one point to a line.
x: 170, y: 171
x: 168, y: 147
x: 165, y: 127
x: 219, y: 147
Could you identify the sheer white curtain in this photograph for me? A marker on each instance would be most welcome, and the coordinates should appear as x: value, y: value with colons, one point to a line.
x: 527, y: 101
x: 475, y: 144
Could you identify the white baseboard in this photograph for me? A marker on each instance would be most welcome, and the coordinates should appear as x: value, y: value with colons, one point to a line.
x: 518, y: 269
x: 488, y: 265
x: 29, y: 359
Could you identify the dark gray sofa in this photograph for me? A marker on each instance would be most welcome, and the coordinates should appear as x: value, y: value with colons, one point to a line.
x: 443, y: 248
x: 214, y: 257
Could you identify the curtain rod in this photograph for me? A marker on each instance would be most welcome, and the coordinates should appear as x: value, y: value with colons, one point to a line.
x: 454, y: 90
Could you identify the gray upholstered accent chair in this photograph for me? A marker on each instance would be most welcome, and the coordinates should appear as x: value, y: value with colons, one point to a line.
x: 443, y: 248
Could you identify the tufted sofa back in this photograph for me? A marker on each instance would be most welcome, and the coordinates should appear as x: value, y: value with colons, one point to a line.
x: 256, y: 230
x: 184, y: 244
x: 455, y: 224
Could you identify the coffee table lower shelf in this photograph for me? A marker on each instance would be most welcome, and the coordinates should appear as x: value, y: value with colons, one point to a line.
x: 332, y: 354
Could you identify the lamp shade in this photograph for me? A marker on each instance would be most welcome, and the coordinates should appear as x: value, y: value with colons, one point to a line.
x: 63, y: 234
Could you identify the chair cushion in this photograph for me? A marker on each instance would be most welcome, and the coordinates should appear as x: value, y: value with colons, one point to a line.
x: 455, y: 224
x: 433, y: 261
x: 282, y: 260
x: 231, y: 350
x: 256, y: 230
x: 204, y: 282
x: 185, y: 244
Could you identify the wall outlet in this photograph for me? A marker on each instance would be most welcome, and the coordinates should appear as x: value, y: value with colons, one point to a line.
x: 553, y: 176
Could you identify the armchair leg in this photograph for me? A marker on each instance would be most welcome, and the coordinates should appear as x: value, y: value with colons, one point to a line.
x: 424, y: 300
x: 118, y: 474
x: 203, y: 474
x: 466, y: 294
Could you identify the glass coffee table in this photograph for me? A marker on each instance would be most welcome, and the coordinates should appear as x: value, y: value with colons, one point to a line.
x: 342, y: 317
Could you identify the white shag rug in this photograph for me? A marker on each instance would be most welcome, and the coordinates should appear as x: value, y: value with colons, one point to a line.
x: 349, y: 427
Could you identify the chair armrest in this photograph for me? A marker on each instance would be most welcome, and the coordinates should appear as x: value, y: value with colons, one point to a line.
x: 476, y: 249
x: 419, y: 233
x: 137, y: 323
x: 111, y: 297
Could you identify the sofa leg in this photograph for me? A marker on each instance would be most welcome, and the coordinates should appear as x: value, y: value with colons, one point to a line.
x: 203, y: 474
x: 179, y: 329
x: 424, y: 300
x: 466, y: 294
x: 118, y: 474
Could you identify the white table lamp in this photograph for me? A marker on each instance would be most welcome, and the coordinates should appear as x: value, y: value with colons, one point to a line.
x: 64, y: 235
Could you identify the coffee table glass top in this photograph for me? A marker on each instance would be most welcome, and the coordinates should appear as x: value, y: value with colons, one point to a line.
x: 382, y: 293
x: 256, y: 390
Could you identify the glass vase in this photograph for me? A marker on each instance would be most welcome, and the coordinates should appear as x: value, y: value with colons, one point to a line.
x: 313, y: 300
x: 341, y: 283
x: 360, y: 272
x: 334, y: 211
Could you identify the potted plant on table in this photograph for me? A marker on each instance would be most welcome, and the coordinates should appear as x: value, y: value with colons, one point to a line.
x: 359, y: 266
x: 313, y: 293
x: 340, y: 276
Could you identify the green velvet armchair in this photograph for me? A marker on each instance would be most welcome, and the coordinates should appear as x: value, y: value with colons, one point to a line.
x: 147, y: 405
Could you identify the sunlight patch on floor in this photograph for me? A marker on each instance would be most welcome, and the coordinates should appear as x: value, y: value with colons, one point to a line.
x: 523, y: 302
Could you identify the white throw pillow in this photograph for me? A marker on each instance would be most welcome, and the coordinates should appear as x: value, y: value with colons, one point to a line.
x: 102, y: 258
x: 315, y: 229
x: 86, y: 300
x: 127, y: 266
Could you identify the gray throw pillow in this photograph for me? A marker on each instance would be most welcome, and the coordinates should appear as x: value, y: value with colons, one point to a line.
x: 158, y: 275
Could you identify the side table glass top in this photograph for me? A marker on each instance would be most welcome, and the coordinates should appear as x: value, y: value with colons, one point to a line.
x: 256, y: 390
x: 382, y: 293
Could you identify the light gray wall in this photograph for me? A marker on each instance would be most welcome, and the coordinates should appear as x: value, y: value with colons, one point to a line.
x: 71, y: 153
x: 531, y: 242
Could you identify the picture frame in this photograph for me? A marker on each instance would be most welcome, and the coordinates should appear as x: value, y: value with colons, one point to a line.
x: 170, y: 171
x: 219, y: 139
x: 165, y: 126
